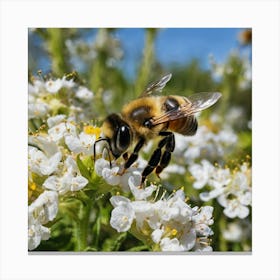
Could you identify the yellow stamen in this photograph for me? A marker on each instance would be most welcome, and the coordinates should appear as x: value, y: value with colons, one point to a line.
x: 33, y: 186
x: 92, y: 130
x: 174, y: 232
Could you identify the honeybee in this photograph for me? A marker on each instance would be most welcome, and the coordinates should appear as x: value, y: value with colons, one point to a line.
x: 151, y: 116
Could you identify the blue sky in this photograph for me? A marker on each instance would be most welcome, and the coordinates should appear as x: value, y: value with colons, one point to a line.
x: 179, y: 45
x: 172, y: 46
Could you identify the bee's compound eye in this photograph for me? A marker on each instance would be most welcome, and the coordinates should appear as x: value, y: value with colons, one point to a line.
x: 123, y: 138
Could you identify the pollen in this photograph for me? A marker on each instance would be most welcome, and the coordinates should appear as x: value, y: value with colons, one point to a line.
x: 174, y: 232
x: 33, y: 186
x: 92, y: 130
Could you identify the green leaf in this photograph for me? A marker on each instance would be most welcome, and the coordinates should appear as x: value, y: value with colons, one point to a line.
x: 114, y: 244
x: 83, y: 169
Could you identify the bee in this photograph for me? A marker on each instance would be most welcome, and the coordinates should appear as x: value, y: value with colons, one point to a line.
x: 151, y: 116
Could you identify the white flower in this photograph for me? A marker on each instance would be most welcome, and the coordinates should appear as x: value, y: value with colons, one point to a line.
x: 172, y: 169
x: 57, y: 119
x: 122, y: 216
x: 41, y: 211
x: 36, y: 233
x: 139, y: 193
x: 205, y: 144
x: 53, y: 86
x: 157, y: 235
x: 220, y: 178
x: 80, y: 144
x: 102, y: 168
x: 233, y: 232
x: 233, y: 207
x: 60, y: 130
x: 170, y: 223
x: 232, y: 190
x: 45, y: 207
x: 201, y: 173
x: 71, y: 180
x: 37, y: 110
x: 40, y: 164
x: 171, y: 245
x: 84, y: 94
x: 203, y: 220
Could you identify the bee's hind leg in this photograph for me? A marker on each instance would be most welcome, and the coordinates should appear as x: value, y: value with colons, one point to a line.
x: 169, y: 148
x: 158, y: 160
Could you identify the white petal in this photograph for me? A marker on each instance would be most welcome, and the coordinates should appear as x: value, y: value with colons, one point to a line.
x: 117, y: 200
x: 100, y: 164
x: 52, y: 121
x: 173, y: 245
x: 52, y: 183
x: 122, y: 217
x: 111, y: 176
x: 156, y: 235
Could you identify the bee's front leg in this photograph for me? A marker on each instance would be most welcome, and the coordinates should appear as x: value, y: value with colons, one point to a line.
x: 133, y: 157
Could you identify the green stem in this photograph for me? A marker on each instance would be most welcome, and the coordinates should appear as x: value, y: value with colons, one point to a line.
x: 57, y: 50
x: 147, y: 62
x: 82, y: 224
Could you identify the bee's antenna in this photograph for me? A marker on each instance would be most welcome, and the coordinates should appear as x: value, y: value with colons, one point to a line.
x: 109, y: 149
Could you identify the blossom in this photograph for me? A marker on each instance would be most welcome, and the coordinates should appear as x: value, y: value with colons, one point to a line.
x: 122, y: 215
x: 201, y: 172
x: 130, y: 180
x: 45, y: 207
x: 64, y: 128
x: 41, y: 211
x: 205, y: 144
x: 232, y: 189
x: 40, y: 164
x: 37, y: 109
x: 83, y: 143
x: 71, y: 179
x: 84, y: 94
x: 36, y: 233
x: 170, y: 223
x: 53, y: 86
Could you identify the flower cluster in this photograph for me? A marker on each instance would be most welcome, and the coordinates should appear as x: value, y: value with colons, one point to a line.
x: 48, y: 98
x: 170, y: 224
x: 53, y: 150
x: 206, y: 143
x: 40, y: 212
x: 231, y: 188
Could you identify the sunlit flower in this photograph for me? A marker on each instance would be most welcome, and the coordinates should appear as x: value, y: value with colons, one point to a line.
x: 57, y: 132
x: 201, y: 173
x: 71, y: 179
x: 53, y: 86
x: 37, y: 110
x: 83, y: 143
x: 232, y: 189
x: 84, y: 94
x: 122, y: 216
x: 41, y: 211
x: 45, y: 207
x: 36, y: 233
x: 170, y: 223
x: 40, y: 164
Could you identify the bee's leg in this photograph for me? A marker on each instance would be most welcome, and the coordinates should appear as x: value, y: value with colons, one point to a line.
x: 154, y: 160
x: 125, y: 156
x: 133, y: 157
x: 169, y: 148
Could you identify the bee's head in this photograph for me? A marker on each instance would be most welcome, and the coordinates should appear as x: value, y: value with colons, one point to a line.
x: 117, y: 134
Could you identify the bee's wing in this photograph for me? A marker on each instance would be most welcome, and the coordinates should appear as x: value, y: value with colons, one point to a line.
x: 157, y: 86
x: 195, y: 103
